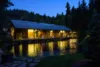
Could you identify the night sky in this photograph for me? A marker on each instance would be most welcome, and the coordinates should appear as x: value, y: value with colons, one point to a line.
x: 48, y: 7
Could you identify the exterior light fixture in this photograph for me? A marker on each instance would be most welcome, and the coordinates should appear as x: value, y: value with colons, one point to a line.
x: 61, y: 31
x: 51, y: 30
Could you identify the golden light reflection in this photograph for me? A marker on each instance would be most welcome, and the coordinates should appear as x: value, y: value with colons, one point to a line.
x: 20, y: 49
x: 62, y: 47
x: 13, y: 51
x: 73, y: 43
x: 34, y: 50
x: 51, y: 46
x: 72, y: 51
x: 37, y: 49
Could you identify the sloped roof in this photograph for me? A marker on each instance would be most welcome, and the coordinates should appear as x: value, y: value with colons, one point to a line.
x: 35, y: 25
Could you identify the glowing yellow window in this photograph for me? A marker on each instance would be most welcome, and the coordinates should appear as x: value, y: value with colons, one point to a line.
x: 30, y: 33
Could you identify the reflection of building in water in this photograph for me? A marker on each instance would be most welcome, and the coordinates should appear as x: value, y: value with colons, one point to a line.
x: 34, y: 50
x: 73, y: 43
x: 39, y: 49
x: 62, y: 45
x: 51, y: 47
x: 72, y: 51
x: 20, y: 49
x: 26, y: 30
x: 13, y: 50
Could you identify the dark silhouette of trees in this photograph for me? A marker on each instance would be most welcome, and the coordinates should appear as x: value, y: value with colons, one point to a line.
x: 3, y: 17
x: 68, y: 15
x: 35, y: 17
x: 97, y: 5
x: 4, y: 29
x: 68, y: 8
x: 93, y: 42
x: 78, y: 18
x: 91, y: 6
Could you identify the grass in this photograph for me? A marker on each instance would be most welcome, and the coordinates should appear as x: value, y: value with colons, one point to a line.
x: 60, y: 61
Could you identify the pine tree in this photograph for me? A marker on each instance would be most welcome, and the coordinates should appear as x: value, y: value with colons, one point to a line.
x: 73, y: 10
x: 68, y: 11
x: 83, y: 4
x: 68, y: 15
x: 97, y: 5
x: 3, y: 17
x: 4, y: 25
x: 94, y: 38
x: 91, y: 5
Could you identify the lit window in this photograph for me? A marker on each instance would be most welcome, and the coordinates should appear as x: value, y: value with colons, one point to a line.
x: 30, y: 33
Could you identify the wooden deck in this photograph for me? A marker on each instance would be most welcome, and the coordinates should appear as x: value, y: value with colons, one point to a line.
x: 30, y: 41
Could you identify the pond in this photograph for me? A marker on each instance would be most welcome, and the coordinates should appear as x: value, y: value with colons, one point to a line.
x: 46, y: 49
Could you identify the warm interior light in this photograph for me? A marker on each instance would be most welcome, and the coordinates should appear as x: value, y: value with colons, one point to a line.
x: 34, y: 50
x: 20, y: 49
x: 73, y: 43
x: 51, y: 33
x: 51, y: 30
x: 61, y: 31
x: 12, y: 32
x: 30, y: 33
x: 50, y: 45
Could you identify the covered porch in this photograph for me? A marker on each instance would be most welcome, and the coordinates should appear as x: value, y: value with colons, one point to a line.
x: 23, y: 30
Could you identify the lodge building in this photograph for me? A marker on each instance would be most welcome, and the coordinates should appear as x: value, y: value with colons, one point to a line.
x: 32, y: 37
x: 22, y: 30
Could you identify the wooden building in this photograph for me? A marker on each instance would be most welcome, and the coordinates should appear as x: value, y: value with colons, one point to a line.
x: 22, y: 30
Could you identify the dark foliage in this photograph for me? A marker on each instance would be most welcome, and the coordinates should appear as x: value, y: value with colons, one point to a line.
x: 78, y: 18
x: 31, y: 16
x: 94, y: 39
x: 4, y: 24
x: 97, y: 5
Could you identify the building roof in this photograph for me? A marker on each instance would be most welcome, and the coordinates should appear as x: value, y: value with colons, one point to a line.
x: 34, y: 25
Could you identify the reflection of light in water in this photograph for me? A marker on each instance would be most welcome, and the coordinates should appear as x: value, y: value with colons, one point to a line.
x: 73, y: 43
x: 37, y: 49
x: 73, y: 51
x: 34, y: 49
x: 50, y: 47
x: 13, y: 51
x: 20, y: 49
x: 62, y: 46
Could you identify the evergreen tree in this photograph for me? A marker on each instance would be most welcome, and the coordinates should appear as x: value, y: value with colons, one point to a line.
x: 93, y: 42
x: 83, y: 5
x: 73, y: 10
x: 4, y: 25
x: 91, y: 5
x: 97, y: 5
x: 3, y: 17
x: 68, y: 8
x: 94, y: 38
x: 68, y: 15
